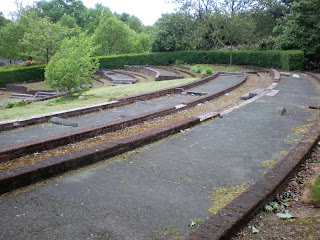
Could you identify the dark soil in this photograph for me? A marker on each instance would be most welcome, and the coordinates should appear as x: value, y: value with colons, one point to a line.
x: 305, y: 223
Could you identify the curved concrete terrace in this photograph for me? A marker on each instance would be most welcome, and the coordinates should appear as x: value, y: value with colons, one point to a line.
x: 148, y: 194
x: 159, y: 73
x: 21, y: 142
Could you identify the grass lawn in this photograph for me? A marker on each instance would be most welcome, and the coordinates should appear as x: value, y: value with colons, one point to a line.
x: 93, y: 96
x: 221, y: 68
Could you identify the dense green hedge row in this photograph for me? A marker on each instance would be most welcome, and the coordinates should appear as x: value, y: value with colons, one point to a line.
x: 286, y: 60
x: 13, y: 75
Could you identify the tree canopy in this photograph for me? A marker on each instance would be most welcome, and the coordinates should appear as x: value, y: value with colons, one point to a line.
x: 195, y: 25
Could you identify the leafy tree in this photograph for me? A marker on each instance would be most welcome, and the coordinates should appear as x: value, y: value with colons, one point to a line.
x: 68, y: 21
x: 56, y: 9
x: 3, y: 20
x: 300, y: 29
x: 43, y: 38
x: 233, y: 26
x: 199, y: 9
x: 265, y: 15
x: 132, y: 21
x: 170, y: 32
x: 71, y: 69
x: 93, y: 17
x: 114, y: 37
x: 10, y: 36
x: 143, y: 43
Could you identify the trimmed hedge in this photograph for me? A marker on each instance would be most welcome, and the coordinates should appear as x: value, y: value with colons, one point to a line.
x: 285, y: 60
x: 14, y: 75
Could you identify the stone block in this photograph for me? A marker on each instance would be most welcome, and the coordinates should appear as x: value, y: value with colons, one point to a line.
x: 63, y: 122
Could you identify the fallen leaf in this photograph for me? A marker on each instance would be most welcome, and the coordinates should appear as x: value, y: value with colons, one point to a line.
x: 285, y: 215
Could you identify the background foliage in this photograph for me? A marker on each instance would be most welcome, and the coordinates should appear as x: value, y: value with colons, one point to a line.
x: 36, y: 32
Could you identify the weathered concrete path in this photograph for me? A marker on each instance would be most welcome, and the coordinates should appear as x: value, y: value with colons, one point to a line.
x: 155, y: 192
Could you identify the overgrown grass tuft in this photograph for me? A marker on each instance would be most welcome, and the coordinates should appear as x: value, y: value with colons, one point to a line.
x: 315, y: 191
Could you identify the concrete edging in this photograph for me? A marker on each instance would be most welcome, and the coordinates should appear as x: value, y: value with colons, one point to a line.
x: 275, y: 74
x: 229, y: 220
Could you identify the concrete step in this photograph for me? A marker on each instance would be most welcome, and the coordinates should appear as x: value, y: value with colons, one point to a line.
x: 20, y: 95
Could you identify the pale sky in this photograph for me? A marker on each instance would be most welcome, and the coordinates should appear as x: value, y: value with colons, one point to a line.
x: 148, y: 11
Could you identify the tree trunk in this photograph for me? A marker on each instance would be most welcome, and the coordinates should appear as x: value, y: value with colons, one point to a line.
x: 231, y: 55
x: 47, y: 53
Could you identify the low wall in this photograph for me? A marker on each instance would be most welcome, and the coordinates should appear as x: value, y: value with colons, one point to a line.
x: 7, y: 61
x: 177, y: 75
x: 142, y: 69
x: 22, y: 89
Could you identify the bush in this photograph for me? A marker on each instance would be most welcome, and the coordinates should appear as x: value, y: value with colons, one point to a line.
x: 286, y: 60
x: 197, y: 68
x: 209, y: 71
x: 315, y: 191
x: 15, y: 75
x: 20, y: 103
x: 71, y: 69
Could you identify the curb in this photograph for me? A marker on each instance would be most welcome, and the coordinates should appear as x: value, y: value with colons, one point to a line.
x: 313, y: 76
x: 229, y: 220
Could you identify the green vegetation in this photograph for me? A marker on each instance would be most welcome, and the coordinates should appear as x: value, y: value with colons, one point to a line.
x: 224, y: 195
x: 201, y: 69
x: 94, y: 96
x: 315, y: 191
x: 16, y: 104
x: 299, y: 29
x: 231, y: 25
x: 286, y: 60
x: 71, y: 69
x: 14, y: 75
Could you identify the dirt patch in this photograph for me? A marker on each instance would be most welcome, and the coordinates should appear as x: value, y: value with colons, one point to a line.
x: 305, y: 223
x: 224, y: 195
x: 4, y: 95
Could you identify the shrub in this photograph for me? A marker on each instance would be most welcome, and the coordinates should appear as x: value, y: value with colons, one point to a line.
x: 9, y: 104
x: 197, y: 68
x: 286, y: 60
x: 209, y: 71
x: 71, y: 69
x: 15, y: 75
x: 20, y: 103
x: 315, y: 191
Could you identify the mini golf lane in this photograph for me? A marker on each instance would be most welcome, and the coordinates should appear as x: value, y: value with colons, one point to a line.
x: 155, y: 191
